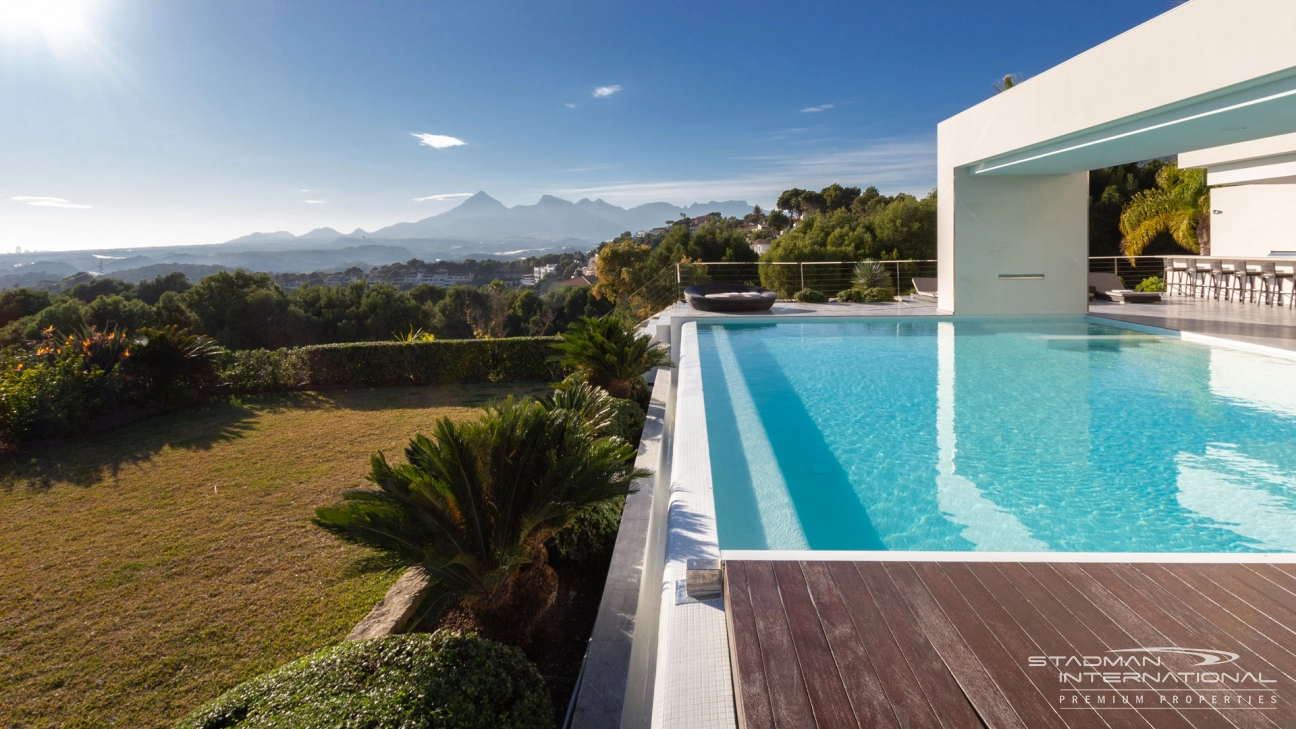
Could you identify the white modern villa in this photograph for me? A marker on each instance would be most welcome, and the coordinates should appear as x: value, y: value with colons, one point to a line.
x: 939, y: 515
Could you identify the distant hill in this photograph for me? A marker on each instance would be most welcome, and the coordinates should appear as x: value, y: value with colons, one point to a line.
x: 480, y: 227
x: 483, y: 218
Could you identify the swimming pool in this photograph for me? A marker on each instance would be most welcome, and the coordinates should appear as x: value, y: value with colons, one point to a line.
x: 989, y: 435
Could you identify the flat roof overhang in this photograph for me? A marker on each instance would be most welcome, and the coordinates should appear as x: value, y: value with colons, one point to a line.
x: 1262, y: 108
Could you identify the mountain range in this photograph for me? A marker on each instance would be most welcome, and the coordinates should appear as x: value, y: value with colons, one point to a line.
x: 480, y: 227
x: 483, y: 218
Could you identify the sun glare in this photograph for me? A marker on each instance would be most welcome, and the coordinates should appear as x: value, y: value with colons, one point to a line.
x: 54, y: 19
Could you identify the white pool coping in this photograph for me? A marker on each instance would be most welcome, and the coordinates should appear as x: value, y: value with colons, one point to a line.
x: 811, y: 555
x: 694, y: 684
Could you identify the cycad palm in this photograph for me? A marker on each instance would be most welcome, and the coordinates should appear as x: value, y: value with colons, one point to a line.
x: 1178, y: 205
x: 474, y: 505
x: 611, y: 352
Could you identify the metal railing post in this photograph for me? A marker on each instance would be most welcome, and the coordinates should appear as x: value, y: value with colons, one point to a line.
x: 679, y: 283
x: 801, y: 267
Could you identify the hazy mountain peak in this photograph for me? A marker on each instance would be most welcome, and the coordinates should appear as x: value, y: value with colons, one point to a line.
x: 480, y: 200
x: 322, y: 233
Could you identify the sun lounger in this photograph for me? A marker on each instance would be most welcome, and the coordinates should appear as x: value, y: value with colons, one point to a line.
x: 1109, y: 286
x: 925, y: 289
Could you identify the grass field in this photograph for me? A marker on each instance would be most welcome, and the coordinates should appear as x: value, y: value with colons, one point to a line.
x: 145, y: 570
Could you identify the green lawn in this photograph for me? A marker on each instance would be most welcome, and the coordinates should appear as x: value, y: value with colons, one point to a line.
x: 147, y: 569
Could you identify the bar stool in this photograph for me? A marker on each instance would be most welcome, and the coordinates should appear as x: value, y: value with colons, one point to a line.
x: 1214, y: 282
x: 1269, y: 281
x: 1253, y: 280
x: 1201, y: 276
x: 1285, y: 272
x: 1176, y: 274
x: 1234, y: 272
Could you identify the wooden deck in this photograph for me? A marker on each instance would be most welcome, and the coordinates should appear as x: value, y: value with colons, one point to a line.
x: 950, y: 644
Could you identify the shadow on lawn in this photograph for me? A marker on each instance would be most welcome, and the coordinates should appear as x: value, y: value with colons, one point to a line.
x: 88, y: 460
x: 467, y: 395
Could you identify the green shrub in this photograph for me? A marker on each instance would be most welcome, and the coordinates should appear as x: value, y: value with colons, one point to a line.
x: 876, y: 295
x: 850, y: 296
x: 870, y: 274
x: 475, y: 504
x: 442, y: 680
x: 379, y: 364
x: 590, y: 535
x: 49, y: 399
x: 625, y: 419
x: 264, y: 370
x: 172, y: 364
x: 810, y: 296
x: 611, y: 351
x: 1151, y: 283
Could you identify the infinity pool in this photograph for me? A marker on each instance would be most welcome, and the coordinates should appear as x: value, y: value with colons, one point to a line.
x: 1022, y: 436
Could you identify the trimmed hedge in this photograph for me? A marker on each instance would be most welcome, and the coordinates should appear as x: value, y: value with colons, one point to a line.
x: 385, y: 364
x: 443, y: 680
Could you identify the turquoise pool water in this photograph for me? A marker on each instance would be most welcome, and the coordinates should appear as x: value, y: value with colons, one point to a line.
x: 1037, y: 436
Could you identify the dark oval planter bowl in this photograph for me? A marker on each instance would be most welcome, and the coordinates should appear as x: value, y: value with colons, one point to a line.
x: 729, y: 297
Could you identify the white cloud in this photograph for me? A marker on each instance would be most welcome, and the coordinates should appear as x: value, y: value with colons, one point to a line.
x: 313, y: 202
x: 816, y: 109
x: 570, y: 106
x: 894, y: 165
x: 603, y: 92
x: 438, y: 141
x: 48, y: 202
x: 446, y: 196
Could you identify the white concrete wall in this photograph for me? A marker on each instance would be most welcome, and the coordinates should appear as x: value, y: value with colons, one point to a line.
x: 1253, y: 220
x: 1016, y: 225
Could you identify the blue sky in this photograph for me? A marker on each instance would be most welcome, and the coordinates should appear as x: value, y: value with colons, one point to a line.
x: 155, y: 122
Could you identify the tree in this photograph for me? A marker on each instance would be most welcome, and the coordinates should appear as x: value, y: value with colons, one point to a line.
x: 613, y: 354
x: 244, y: 310
x: 18, y: 303
x: 475, y: 503
x: 837, y: 197
x: 1007, y: 82
x: 150, y: 292
x: 91, y: 290
x: 1178, y: 205
x: 621, y: 269
x: 778, y: 221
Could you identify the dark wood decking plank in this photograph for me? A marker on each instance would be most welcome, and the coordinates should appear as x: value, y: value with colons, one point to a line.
x: 789, y: 699
x: 1273, y: 625
x: 1271, y: 573
x: 1085, y: 627
x: 752, y: 694
x: 1031, y: 704
x: 1158, y: 608
x: 858, y: 672
x: 902, y: 587
x: 905, y: 692
x: 1211, y: 611
x: 1050, y: 629
x: 1141, y: 632
x: 1260, y: 593
x: 832, y: 709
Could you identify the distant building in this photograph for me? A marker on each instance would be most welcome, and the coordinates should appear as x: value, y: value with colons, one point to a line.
x: 761, y: 246
x: 543, y: 272
x: 578, y: 281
